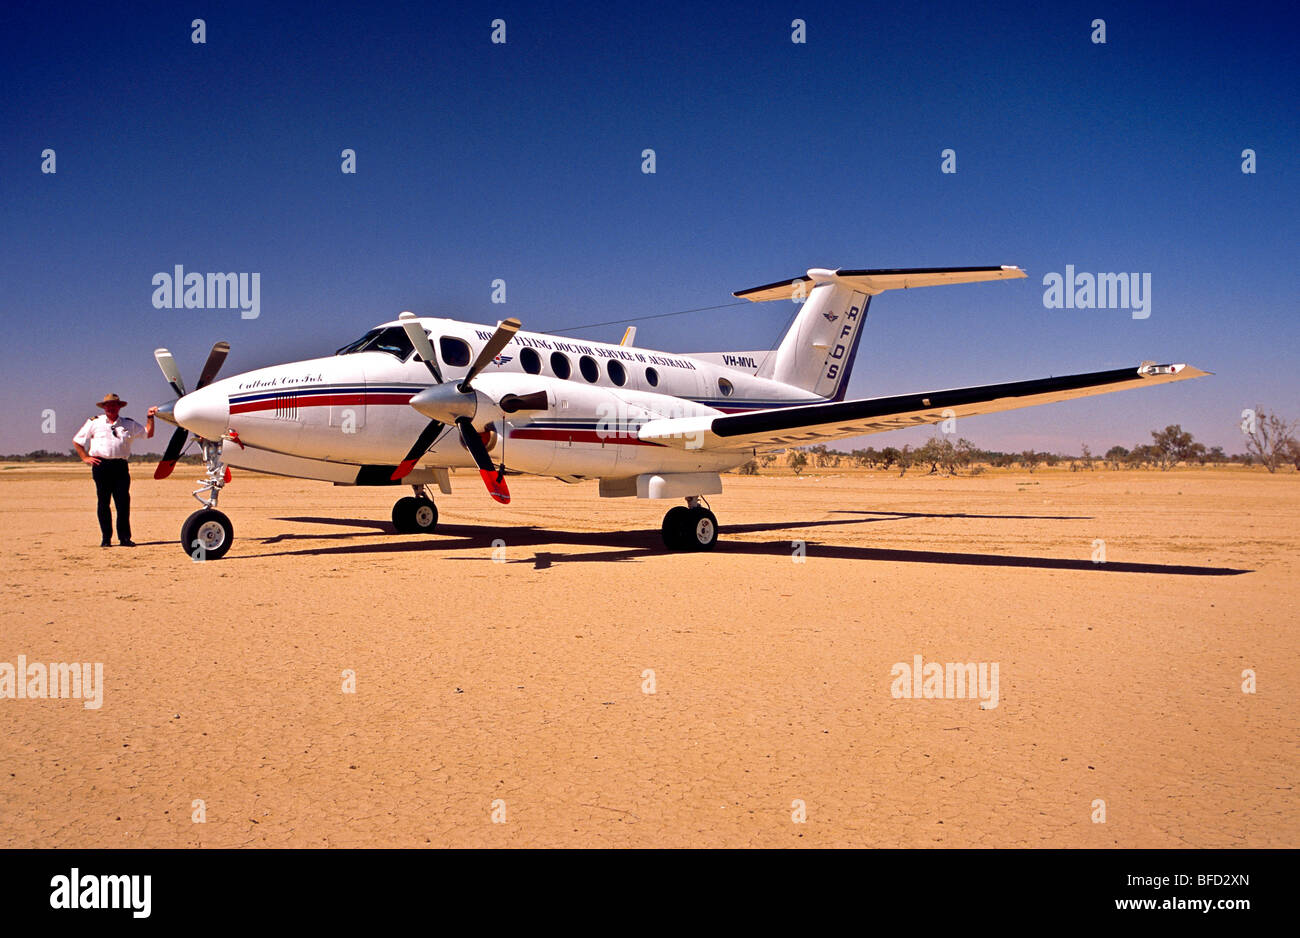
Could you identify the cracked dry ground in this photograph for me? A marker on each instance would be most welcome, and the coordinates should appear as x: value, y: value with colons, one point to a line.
x: 521, y: 682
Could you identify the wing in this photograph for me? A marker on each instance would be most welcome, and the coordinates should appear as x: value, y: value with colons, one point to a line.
x: 815, y: 423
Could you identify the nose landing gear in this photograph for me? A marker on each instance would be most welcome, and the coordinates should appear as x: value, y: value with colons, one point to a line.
x: 415, y: 514
x: 690, y: 527
x: 207, y: 534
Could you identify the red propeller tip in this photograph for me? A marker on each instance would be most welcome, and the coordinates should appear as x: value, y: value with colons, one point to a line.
x: 496, y: 485
x: 164, y: 469
x: 403, y: 469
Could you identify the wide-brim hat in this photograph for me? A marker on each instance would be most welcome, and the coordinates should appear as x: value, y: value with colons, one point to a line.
x: 111, y: 399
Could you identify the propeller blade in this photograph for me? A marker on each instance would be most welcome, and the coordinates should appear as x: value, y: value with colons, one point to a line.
x: 493, y: 478
x: 513, y: 403
x: 172, y: 373
x: 505, y: 332
x: 423, y: 347
x: 173, y: 453
x: 216, y: 358
x: 421, y: 446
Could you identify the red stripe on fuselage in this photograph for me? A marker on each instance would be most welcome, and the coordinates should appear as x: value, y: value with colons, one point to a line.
x: 578, y: 436
x: 351, y: 399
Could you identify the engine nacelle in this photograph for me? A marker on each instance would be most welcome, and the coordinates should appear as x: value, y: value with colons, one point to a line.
x: 589, y: 430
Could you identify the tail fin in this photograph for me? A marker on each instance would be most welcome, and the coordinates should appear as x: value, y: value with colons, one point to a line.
x: 818, y: 350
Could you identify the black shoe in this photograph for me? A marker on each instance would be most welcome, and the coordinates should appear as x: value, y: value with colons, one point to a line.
x: 105, y: 543
x: 128, y: 543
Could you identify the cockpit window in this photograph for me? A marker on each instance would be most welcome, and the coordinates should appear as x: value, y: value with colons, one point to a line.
x: 392, y: 340
x: 358, y: 344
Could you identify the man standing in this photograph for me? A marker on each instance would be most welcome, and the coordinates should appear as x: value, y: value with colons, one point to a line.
x: 104, y: 443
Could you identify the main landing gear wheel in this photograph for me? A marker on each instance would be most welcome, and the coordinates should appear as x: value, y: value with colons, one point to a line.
x: 207, y: 534
x: 413, y: 515
x: 690, y: 529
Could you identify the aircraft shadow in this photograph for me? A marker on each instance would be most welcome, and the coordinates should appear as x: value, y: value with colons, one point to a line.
x: 646, y: 542
x: 961, y: 514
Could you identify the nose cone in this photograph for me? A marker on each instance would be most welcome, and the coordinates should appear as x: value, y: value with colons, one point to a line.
x: 205, y: 412
x: 165, y: 412
x: 446, y: 402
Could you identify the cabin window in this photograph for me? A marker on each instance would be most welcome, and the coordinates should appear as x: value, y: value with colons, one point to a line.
x: 616, y: 372
x: 726, y: 387
x: 455, y: 352
x: 652, y: 377
x: 530, y: 361
x: 590, y: 370
x: 560, y: 365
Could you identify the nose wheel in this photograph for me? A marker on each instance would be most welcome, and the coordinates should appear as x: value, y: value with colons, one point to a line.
x: 415, y: 514
x: 207, y: 534
x: 690, y: 527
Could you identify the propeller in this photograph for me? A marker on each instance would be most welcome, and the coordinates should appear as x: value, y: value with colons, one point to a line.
x: 493, y: 478
x: 216, y: 358
x: 459, y: 403
x: 424, y: 348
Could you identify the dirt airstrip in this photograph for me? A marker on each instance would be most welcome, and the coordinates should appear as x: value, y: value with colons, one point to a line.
x: 574, y: 685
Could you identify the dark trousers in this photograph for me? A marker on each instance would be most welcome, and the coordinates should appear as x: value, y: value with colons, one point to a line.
x: 113, y: 480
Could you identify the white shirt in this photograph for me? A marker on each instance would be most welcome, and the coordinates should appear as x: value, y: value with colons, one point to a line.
x: 105, y: 440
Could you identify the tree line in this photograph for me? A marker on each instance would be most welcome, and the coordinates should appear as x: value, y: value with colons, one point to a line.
x: 1269, y: 441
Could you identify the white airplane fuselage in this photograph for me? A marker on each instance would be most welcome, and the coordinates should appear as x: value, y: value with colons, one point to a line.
x: 353, y: 408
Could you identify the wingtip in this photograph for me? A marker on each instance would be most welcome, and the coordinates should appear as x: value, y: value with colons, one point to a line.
x: 1178, y: 371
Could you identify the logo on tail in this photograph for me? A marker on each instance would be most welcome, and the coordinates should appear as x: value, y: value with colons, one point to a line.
x: 845, y: 344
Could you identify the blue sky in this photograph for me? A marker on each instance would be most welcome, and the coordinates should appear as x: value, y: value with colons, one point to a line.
x: 522, y: 161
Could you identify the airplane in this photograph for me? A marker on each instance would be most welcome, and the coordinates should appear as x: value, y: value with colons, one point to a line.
x: 417, y: 396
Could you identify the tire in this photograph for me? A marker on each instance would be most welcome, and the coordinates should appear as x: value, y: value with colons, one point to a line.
x: 700, y: 532
x: 207, y: 535
x: 404, y: 515
x: 674, y: 528
x: 415, y: 515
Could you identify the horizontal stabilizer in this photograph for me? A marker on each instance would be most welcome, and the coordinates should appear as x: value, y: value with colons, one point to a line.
x: 872, y: 282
